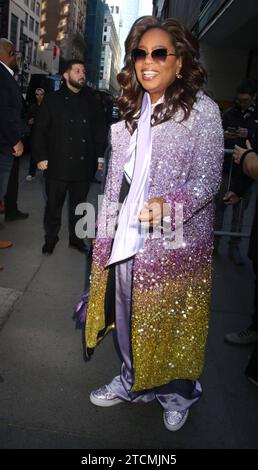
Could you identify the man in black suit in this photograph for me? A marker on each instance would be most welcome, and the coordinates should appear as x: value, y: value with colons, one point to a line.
x: 68, y: 138
x: 10, y: 116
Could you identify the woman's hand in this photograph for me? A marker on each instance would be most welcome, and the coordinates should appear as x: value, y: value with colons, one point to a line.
x: 152, y: 212
x: 238, y: 152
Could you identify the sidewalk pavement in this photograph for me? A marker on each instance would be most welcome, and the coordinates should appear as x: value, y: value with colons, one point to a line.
x: 45, y: 384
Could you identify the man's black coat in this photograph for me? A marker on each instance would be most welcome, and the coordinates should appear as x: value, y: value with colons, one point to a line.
x: 69, y: 132
x: 253, y: 245
x: 10, y: 112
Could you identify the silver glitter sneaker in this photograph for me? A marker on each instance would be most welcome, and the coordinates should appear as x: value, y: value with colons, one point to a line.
x: 174, y: 420
x: 104, y: 397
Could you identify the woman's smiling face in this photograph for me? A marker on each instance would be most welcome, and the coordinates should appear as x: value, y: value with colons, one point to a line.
x: 156, y: 75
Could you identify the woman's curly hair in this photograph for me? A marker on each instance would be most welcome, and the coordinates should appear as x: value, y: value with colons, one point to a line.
x: 181, y: 94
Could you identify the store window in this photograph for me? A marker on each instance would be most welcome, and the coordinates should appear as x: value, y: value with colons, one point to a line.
x: 14, y: 29
x: 31, y: 24
x: 35, y: 53
x: 38, y: 8
x: 30, y: 49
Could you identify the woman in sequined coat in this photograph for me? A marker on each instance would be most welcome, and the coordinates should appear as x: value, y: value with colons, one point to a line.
x: 166, y: 157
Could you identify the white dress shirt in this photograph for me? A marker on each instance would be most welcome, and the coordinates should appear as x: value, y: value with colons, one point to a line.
x: 7, y: 68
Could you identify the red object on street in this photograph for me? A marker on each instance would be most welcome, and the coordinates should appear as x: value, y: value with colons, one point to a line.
x: 2, y: 208
x: 55, y: 52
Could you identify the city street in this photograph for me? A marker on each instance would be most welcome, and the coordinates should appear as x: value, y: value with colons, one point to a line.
x: 45, y: 382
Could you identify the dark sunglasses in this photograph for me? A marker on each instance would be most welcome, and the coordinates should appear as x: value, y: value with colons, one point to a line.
x: 158, y: 55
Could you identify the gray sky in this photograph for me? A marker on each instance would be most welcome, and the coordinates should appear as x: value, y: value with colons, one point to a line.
x: 145, y: 7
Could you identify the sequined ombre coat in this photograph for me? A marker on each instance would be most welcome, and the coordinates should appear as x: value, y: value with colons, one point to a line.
x: 171, y: 287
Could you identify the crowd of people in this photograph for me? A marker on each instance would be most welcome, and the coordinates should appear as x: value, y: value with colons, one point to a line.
x: 165, y: 170
x: 60, y: 134
x: 240, y: 124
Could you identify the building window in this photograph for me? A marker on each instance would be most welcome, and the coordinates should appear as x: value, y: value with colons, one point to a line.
x: 31, y: 24
x: 32, y: 5
x: 105, y: 29
x: 14, y: 28
x: 23, y: 41
x: 38, y: 8
x: 22, y: 29
x: 35, y: 53
x: 105, y: 38
x: 117, y: 10
x: 26, y: 20
x: 26, y: 2
x: 112, y: 10
x: 36, y: 28
x: 30, y: 47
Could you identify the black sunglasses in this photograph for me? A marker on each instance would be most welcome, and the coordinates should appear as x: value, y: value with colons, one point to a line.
x: 158, y: 55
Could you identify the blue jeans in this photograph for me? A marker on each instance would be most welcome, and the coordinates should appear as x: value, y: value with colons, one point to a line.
x: 6, y: 162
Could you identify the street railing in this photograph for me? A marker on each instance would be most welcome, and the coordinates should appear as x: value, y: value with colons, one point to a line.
x: 227, y: 233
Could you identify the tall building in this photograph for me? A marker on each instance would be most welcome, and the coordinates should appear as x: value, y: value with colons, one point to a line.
x: 186, y: 10
x: 115, y: 7
x: 110, y: 55
x: 125, y: 12
x: 227, y: 33
x: 63, y: 24
x: 19, y: 22
x: 129, y: 13
x: 93, y: 40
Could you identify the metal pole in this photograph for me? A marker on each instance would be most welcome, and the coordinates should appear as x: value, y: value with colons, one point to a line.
x: 229, y: 152
x: 224, y: 232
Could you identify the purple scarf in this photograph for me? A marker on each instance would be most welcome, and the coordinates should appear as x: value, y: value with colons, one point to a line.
x: 128, y: 238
